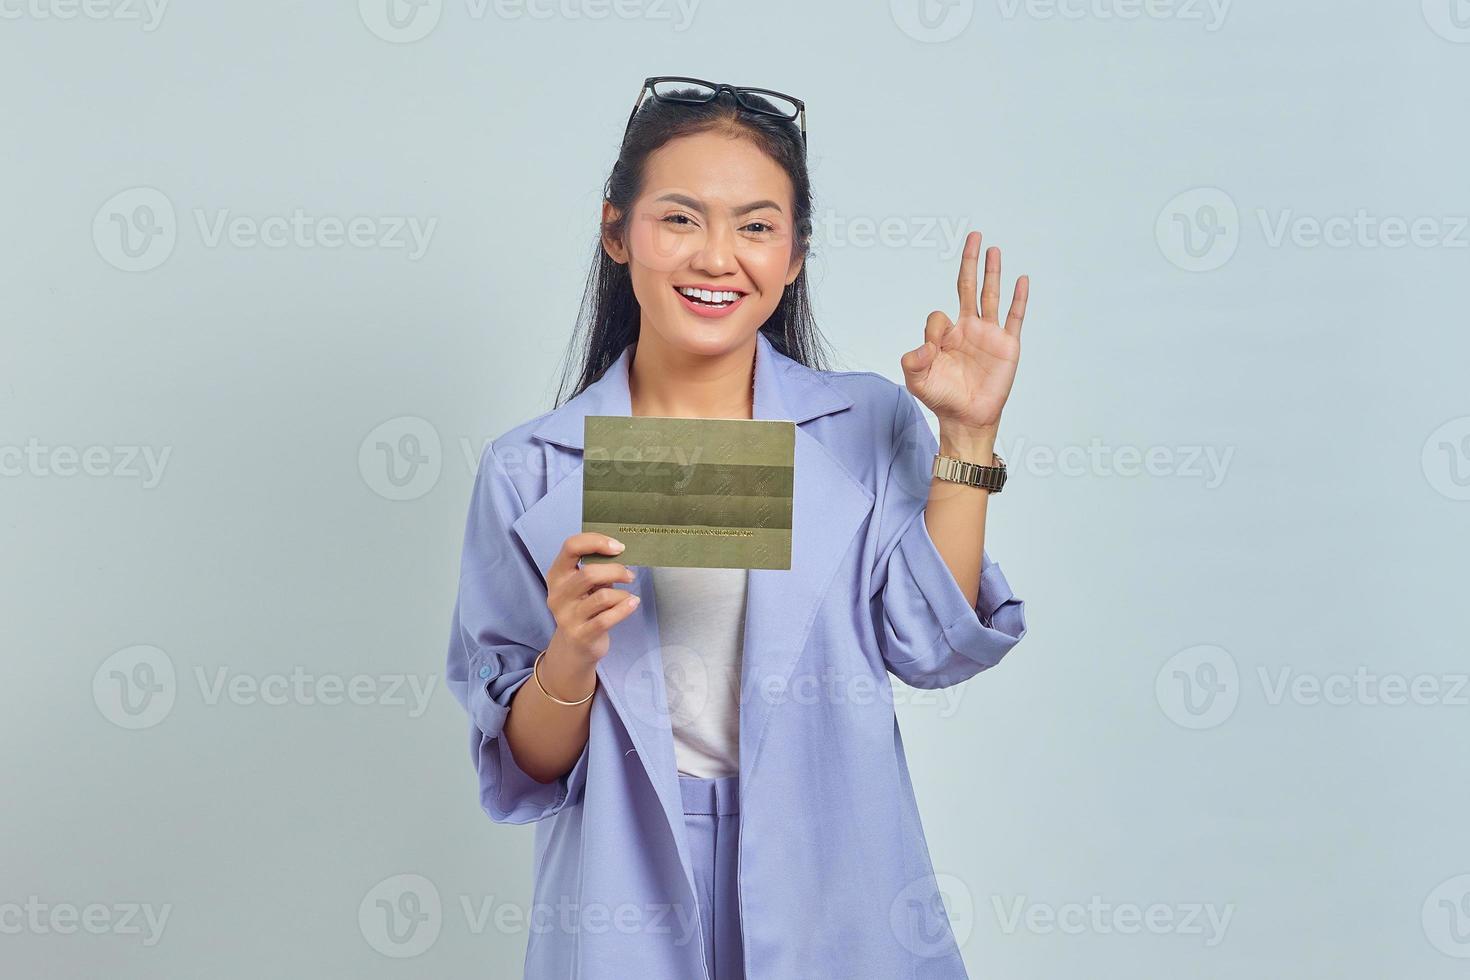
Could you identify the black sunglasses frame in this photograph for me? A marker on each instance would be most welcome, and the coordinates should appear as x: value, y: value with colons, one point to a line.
x: 716, y: 88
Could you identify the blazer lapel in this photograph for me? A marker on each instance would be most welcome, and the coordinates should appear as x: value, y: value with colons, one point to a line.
x: 828, y: 506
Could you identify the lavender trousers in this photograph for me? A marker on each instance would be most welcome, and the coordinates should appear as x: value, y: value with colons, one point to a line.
x: 712, y: 822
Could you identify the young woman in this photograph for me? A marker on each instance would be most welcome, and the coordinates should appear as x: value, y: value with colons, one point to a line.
x: 711, y: 756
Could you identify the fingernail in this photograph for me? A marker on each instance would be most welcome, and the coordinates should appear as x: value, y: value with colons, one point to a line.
x: 615, y: 544
x: 634, y: 600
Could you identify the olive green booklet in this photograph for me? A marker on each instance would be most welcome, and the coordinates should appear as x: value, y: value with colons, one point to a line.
x: 709, y: 493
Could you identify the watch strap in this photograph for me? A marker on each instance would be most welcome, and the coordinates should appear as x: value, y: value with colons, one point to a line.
x: 956, y: 470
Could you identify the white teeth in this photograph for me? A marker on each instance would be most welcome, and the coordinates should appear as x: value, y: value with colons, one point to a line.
x: 710, y: 295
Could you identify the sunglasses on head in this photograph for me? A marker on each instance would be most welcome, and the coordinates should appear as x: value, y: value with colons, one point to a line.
x: 697, y: 91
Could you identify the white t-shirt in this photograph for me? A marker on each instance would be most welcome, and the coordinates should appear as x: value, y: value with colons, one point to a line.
x: 701, y: 624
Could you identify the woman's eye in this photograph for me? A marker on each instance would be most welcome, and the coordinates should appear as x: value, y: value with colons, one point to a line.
x: 677, y: 219
x: 761, y: 225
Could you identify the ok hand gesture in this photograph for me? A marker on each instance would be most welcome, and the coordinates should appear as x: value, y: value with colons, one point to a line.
x: 964, y: 369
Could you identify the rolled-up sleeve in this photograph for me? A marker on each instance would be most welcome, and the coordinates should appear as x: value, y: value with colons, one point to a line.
x: 500, y: 623
x: 929, y: 634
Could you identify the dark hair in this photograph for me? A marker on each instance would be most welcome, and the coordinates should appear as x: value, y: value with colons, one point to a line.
x: 608, y: 320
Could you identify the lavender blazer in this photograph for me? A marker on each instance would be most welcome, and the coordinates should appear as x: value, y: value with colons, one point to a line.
x: 834, y: 874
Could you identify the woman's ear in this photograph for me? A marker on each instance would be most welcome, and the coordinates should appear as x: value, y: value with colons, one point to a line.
x: 797, y: 259
x: 611, y: 245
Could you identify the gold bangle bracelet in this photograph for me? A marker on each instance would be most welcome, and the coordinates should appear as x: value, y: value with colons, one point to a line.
x: 536, y: 673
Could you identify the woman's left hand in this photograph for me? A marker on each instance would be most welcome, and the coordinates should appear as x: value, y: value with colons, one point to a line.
x: 964, y: 369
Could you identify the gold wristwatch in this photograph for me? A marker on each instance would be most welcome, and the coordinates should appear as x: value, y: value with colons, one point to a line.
x: 956, y: 470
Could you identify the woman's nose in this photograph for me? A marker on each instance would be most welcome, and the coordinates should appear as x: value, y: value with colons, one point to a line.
x: 717, y: 256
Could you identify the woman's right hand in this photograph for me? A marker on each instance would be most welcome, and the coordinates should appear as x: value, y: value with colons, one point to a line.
x: 547, y: 731
x: 583, y: 599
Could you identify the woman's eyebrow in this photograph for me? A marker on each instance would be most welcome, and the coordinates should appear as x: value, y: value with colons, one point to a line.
x: 695, y: 205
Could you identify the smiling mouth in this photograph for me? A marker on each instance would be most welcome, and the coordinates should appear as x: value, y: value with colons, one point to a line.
x: 724, y: 298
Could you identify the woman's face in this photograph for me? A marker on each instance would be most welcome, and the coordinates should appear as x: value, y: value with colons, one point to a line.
x: 715, y: 213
